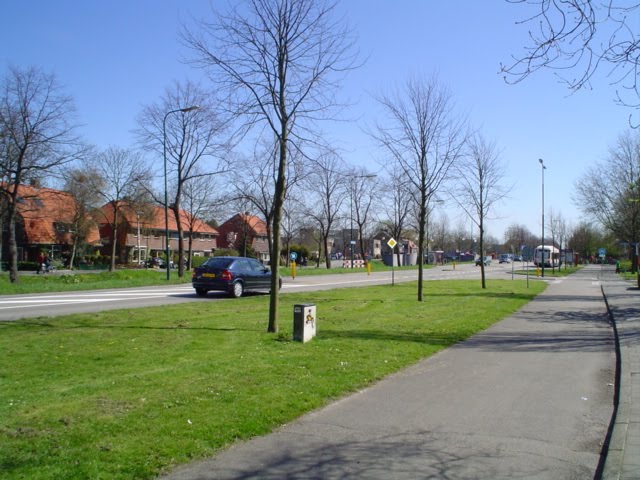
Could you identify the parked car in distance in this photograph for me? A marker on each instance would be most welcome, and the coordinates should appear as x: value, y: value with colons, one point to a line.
x: 504, y: 258
x: 158, y: 262
x: 486, y: 260
x: 234, y: 275
x: 517, y: 258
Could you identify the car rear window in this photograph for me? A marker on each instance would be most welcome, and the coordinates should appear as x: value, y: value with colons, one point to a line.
x: 218, y: 262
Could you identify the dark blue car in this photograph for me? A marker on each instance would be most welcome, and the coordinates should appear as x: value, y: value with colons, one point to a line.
x: 234, y: 275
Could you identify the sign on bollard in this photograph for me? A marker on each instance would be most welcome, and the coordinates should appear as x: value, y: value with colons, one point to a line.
x: 304, y: 322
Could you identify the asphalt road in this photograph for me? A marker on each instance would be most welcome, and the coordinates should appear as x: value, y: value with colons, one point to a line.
x: 14, y: 307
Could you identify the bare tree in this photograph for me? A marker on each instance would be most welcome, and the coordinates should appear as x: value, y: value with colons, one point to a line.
x: 609, y: 191
x: 397, y: 206
x: 441, y: 229
x: 37, y: 135
x: 78, y: 185
x: 292, y: 221
x: 253, y: 179
x: 555, y: 220
x: 480, y: 186
x: 425, y: 139
x: 363, y: 187
x: 328, y: 192
x: 276, y: 60
x: 518, y: 236
x: 576, y: 38
x: 194, y: 134
x: 585, y: 239
x: 197, y: 202
x: 116, y: 175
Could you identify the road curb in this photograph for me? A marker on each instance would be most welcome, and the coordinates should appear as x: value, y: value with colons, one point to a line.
x: 622, y: 447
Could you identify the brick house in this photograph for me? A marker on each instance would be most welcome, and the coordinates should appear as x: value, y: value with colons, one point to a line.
x: 141, y: 234
x: 244, y: 230
x: 45, y: 223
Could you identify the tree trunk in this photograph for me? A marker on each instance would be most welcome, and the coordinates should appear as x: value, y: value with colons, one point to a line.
x: 114, y: 240
x: 190, y: 252
x: 482, y: 272
x: 73, y: 252
x: 327, y: 257
x: 422, y: 220
x: 13, y: 246
x: 278, y: 203
x: 176, y: 214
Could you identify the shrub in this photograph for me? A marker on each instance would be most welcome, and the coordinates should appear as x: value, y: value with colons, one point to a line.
x: 28, y: 266
x: 197, y: 261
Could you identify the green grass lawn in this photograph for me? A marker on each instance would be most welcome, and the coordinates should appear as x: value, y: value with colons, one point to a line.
x: 128, y: 394
x: 57, y: 282
x: 312, y: 269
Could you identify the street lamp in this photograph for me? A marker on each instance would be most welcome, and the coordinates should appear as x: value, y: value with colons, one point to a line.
x: 543, y: 169
x: 166, y: 195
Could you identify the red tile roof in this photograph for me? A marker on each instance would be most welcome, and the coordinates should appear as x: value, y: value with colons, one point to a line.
x: 155, y: 220
x: 41, y: 209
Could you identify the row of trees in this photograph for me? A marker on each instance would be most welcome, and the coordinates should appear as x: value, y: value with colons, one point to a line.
x: 275, y: 68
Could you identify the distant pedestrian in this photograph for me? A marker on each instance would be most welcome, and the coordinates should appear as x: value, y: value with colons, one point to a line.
x: 617, y: 266
x: 46, y: 263
x: 40, y: 261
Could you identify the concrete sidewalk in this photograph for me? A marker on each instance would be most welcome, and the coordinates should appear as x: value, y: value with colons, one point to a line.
x: 623, y: 300
x: 531, y: 397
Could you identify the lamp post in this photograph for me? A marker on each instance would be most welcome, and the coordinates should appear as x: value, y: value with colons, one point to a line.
x: 543, y: 169
x: 166, y: 195
x: 138, y: 237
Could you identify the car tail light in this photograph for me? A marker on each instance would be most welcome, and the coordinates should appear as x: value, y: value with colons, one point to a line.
x: 226, y: 275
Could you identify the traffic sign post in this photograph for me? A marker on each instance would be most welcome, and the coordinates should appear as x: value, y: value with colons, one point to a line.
x: 293, y: 256
x: 392, y: 243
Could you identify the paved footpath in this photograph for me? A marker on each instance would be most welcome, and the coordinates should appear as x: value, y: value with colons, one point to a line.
x: 623, y: 457
x: 531, y: 397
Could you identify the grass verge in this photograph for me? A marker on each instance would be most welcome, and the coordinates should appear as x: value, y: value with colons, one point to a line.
x: 88, y: 281
x: 129, y: 278
x: 551, y: 272
x: 127, y: 394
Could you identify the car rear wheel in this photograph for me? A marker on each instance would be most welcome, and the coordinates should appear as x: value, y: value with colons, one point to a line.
x: 201, y: 292
x: 237, y: 290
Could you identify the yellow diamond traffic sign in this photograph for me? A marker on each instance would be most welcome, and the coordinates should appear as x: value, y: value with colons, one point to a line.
x: 392, y: 243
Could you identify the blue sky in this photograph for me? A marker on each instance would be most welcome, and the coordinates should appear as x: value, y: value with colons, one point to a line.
x: 115, y: 56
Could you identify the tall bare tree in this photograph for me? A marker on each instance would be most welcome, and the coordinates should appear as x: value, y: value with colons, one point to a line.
x: 576, y: 38
x: 277, y: 62
x: 424, y: 138
x: 518, y: 236
x: 328, y: 190
x: 38, y: 136
x: 481, y: 187
x: 115, y: 175
x: 609, y: 191
x: 396, y: 205
x: 78, y: 185
x: 197, y: 202
x: 363, y: 187
x: 194, y: 135
x: 253, y: 179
